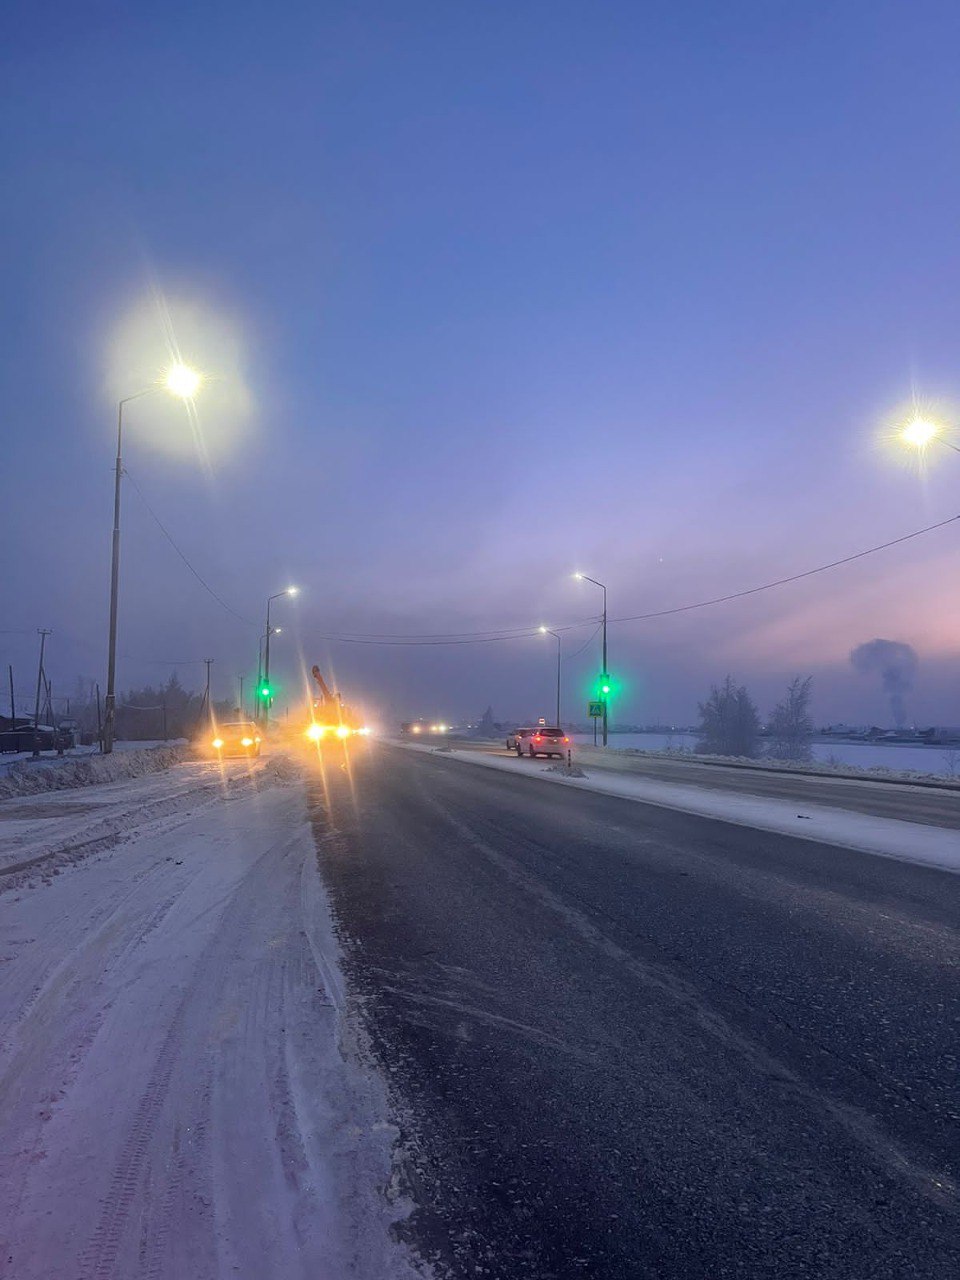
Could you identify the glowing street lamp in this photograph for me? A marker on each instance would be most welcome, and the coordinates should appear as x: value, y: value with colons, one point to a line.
x: 288, y: 591
x: 181, y: 381
x: 545, y: 631
x: 919, y: 433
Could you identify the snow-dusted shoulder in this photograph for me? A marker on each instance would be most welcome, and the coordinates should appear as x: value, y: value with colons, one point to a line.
x: 180, y: 1094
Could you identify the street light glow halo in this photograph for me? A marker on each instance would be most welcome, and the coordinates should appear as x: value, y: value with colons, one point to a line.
x: 182, y: 381
x: 293, y: 591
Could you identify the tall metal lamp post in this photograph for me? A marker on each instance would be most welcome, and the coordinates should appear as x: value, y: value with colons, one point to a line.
x: 288, y: 591
x: 604, y: 675
x: 183, y: 382
x: 545, y: 631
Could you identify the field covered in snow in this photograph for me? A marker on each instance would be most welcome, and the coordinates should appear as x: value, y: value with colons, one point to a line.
x: 894, y: 757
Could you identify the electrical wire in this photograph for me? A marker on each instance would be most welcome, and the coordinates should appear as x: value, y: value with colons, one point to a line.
x: 498, y: 636
x: 495, y: 633
x: 794, y: 577
x: 493, y: 639
x: 586, y: 644
x: 166, y: 533
x: 428, y: 639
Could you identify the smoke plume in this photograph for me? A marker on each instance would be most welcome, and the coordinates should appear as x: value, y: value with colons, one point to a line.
x: 896, y: 664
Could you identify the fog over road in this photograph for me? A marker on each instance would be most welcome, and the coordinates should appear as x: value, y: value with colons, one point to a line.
x: 630, y: 1042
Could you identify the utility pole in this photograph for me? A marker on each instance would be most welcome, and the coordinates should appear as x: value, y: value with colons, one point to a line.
x: 241, y: 696
x: 99, y: 721
x: 42, y: 633
x: 13, y: 705
x: 206, y: 692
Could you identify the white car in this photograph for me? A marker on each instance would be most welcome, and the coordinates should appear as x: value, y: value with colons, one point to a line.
x: 542, y: 740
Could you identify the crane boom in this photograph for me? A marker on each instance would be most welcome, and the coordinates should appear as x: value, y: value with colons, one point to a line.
x: 324, y: 687
x: 328, y: 717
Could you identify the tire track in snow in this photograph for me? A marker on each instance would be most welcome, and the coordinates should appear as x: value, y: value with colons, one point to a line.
x: 101, y: 1256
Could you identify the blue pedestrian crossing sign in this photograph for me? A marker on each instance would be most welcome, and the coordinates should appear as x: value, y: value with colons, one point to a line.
x: 595, y: 710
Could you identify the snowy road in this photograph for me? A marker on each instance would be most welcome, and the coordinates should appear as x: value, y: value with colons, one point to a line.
x: 622, y: 1042
x: 174, y: 1102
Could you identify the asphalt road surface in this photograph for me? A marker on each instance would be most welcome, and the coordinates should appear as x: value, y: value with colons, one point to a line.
x: 628, y: 1042
x: 935, y: 806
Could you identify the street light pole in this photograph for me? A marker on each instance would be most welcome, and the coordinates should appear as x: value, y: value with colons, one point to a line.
x: 288, y: 591
x: 182, y: 382
x: 547, y: 632
x: 266, y: 667
x: 110, y: 702
x: 604, y: 675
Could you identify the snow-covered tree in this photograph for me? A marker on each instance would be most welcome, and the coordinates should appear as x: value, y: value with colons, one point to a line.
x: 729, y: 722
x: 790, y: 725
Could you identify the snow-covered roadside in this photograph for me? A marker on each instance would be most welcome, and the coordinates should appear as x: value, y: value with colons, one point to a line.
x: 181, y: 1096
x: 53, y: 773
x: 8, y: 760
x: 42, y: 833
x: 888, y: 837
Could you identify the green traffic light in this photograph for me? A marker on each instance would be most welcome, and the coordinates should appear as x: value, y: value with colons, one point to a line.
x: 265, y: 691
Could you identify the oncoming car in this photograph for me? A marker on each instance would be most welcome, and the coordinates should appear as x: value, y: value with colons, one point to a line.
x: 544, y: 740
x: 240, y: 738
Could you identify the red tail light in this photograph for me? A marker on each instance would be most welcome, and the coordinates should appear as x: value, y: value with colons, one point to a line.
x: 566, y: 739
x: 537, y: 737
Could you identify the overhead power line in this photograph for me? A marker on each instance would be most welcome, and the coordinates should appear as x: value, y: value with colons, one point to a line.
x: 589, y: 641
x: 169, y: 537
x: 427, y: 639
x: 793, y: 577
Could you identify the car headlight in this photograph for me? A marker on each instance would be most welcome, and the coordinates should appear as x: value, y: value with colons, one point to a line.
x: 315, y: 732
x: 343, y: 731
x: 217, y: 743
x: 246, y: 742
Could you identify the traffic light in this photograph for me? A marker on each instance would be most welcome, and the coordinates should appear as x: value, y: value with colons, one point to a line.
x: 265, y: 691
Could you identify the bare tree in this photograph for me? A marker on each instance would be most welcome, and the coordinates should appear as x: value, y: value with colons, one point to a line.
x: 790, y: 725
x: 729, y: 721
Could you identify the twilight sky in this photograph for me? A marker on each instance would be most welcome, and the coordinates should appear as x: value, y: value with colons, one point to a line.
x: 484, y: 293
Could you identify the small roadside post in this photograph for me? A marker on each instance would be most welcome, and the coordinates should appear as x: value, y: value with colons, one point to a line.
x: 595, y: 712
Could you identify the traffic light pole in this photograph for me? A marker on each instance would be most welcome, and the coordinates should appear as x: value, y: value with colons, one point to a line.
x: 266, y: 668
x: 606, y: 674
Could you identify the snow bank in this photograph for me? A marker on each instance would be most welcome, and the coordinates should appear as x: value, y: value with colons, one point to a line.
x: 283, y: 768
x: 568, y: 770
x: 63, y: 772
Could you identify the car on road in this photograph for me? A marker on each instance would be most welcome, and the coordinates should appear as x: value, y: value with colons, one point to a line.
x: 239, y: 738
x: 541, y: 740
x: 516, y: 739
